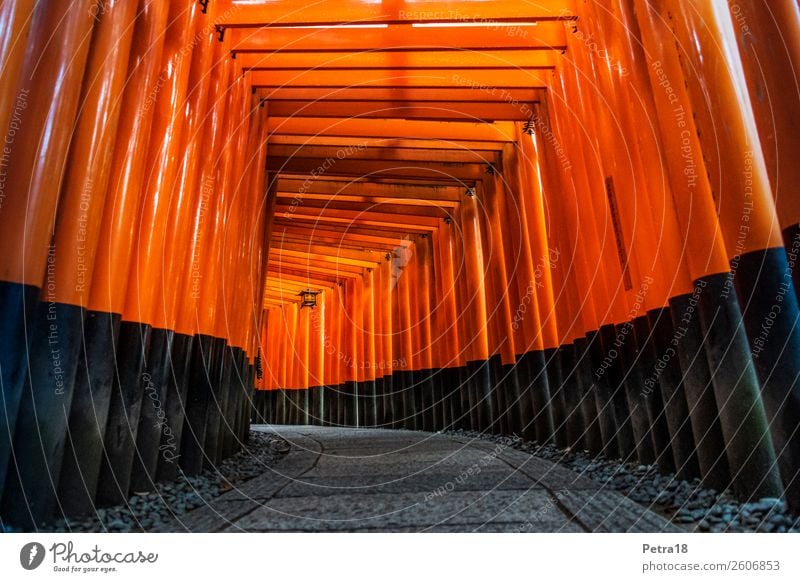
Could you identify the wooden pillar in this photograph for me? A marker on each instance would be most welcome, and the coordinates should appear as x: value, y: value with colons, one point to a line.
x: 731, y: 369
x: 38, y: 128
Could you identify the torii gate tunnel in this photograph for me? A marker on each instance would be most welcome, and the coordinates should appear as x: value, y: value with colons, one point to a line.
x: 572, y: 220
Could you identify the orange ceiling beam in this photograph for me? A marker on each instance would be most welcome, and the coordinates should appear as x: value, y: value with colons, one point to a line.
x: 487, y: 82
x: 342, y: 243
x: 323, y: 258
x: 303, y: 277
x: 431, y: 171
x: 346, y: 237
x: 482, y: 148
x: 382, y: 153
x: 313, y: 249
x: 289, y: 198
x: 364, y: 219
x: 386, y: 207
x: 406, y: 94
x: 501, y: 131
x: 532, y: 59
x: 330, y: 12
x: 469, y: 111
x: 400, y: 237
x: 360, y: 188
x: 303, y: 264
x: 358, y: 217
x: 400, y: 38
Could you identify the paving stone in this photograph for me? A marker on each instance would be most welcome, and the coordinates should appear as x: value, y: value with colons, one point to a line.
x: 608, y: 511
x: 421, y: 483
x: 388, y: 512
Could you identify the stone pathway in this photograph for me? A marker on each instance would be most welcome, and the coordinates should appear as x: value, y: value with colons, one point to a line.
x: 343, y: 479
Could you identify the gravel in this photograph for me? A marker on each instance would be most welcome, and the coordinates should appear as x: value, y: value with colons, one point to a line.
x: 685, y: 503
x: 149, y: 511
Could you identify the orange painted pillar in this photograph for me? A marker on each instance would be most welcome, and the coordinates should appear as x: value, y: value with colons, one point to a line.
x: 316, y: 359
x: 749, y: 454
x: 381, y: 367
x: 750, y: 225
x: 15, y: 25
x: 665, y: 262
x: 339, y: 364
x: 181, y: 266
x: 566, y: 168
x: 34, y: 150
x: 56, y: 332
x: 405, y: 389
x: 525, y: 210
x: 656, y: 250
x: 598, y: 251
x: 369, y: 350
x: 474, y: 303
x: 388, y: 307
x: 769, y: 46
x: 146, y: 332
x: 425, y: 377
x: 453, y: 357
x: 500, y: 295
x: 303, y: 353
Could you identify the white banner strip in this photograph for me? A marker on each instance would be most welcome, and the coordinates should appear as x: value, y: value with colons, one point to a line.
x: 399, y: 557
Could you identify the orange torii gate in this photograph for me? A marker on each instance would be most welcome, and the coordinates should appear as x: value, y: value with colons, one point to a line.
x: 574, y: 222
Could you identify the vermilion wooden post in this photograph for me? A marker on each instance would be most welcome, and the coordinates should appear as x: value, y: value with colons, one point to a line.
x: 475, y: 314
x: 769, y: 45
x: 749, y: 222
x: 533, y: 284
x: 39, y: 129
x: 146, y: 337
x: 45, y: 408
x: 370, y: 353
x: 15, y: 25
x: 387, y: 308
x: 730, y: 365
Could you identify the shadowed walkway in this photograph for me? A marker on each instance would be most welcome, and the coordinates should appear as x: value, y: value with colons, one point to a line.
x: 379, y: 480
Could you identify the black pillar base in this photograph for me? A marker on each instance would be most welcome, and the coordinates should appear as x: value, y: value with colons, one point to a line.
x: 123, y: 414
x: 155, y: 376
x: 30, y: 494
x: 88, y: 416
